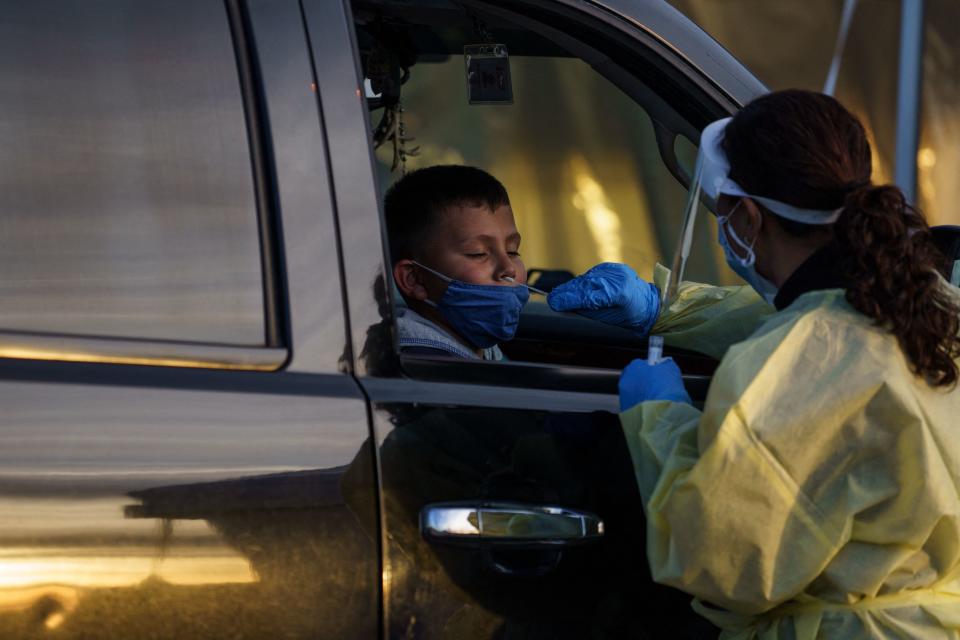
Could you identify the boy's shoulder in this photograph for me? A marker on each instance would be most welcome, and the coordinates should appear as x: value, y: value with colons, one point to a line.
x: 418, y: 335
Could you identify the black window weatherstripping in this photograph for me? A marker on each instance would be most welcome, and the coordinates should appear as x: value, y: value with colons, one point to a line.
x: 277, y: 328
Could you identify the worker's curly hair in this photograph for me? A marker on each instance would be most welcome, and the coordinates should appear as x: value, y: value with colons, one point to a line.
x: 806, y: 149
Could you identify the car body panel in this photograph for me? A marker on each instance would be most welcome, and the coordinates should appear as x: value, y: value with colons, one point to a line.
x: 172, y: 502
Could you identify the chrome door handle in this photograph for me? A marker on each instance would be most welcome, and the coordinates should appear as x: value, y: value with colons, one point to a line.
x: 508, y: 524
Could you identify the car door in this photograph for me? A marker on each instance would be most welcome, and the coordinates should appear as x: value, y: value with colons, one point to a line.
x: 183, y: 452
x: 508, y: 502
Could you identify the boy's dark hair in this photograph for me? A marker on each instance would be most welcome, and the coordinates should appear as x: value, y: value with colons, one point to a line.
x: 414, y: 204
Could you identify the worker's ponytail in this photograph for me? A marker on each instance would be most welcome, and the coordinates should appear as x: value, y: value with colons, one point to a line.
x: 807, y: 150
x: 892, y: 265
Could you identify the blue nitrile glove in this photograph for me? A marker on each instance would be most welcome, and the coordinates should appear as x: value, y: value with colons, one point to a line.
x: 612, y: 293
x: 642, y: 381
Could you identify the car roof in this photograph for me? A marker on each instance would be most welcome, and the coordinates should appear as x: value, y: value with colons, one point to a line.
x: 687, y: 39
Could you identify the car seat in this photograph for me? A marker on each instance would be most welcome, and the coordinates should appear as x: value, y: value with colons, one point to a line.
x: 947, y: 239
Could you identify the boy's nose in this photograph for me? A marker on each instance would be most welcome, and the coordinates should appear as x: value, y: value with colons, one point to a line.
x: 505, y: 268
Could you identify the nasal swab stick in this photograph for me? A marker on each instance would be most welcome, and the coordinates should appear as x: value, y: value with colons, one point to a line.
x: 534, y: 289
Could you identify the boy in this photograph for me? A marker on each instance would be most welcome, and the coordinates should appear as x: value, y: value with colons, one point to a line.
x: 456, y: 262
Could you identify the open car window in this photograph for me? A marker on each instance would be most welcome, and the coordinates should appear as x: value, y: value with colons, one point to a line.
x: 594, y: 174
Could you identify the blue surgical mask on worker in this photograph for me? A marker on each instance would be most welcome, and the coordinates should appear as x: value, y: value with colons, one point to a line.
x: 483, y: 314
x: 745, y: 266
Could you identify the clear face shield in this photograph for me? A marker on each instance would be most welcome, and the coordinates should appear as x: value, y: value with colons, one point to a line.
x: 709, y: 171
x: 711, y: 178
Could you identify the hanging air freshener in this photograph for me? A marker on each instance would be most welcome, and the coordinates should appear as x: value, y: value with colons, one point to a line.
x: 488, y: 74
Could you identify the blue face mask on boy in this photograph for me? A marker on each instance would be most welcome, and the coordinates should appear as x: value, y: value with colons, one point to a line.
x: 483, y: 314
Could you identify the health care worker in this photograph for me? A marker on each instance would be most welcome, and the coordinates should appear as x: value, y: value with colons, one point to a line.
x: 817, y: 495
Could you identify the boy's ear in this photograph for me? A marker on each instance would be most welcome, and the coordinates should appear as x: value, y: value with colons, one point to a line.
x: 409, y: 279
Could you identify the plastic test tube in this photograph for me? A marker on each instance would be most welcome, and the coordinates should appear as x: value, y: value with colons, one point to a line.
x: 654, y: 349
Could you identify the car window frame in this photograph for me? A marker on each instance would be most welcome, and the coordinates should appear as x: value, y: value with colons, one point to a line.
x: 363, y: 209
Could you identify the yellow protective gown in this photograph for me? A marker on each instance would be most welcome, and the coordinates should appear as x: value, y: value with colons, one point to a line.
x: 707, y: 318
x: 818, y: 493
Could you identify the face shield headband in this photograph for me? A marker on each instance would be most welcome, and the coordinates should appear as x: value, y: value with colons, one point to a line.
x: 715, y: 180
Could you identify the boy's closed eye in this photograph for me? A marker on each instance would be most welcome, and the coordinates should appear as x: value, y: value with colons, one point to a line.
x: 478, y: 255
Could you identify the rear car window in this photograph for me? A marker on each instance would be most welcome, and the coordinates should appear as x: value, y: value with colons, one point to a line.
x: 128, y: 206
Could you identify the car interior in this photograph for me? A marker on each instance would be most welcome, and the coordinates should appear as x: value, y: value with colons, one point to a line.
x: 638, y: 123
